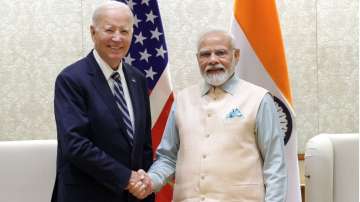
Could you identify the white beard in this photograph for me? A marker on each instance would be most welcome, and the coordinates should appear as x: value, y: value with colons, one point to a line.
x: 217, y: 79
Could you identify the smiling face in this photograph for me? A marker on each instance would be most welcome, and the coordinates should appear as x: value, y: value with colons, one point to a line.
x: 111, y: 33
x: 216, y: 57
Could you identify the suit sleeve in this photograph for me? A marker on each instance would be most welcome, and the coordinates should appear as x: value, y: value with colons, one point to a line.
x: 148, y: 151
x: 73, y: 131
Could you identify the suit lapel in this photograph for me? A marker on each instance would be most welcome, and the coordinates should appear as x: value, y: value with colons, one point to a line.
x: 101, y: 85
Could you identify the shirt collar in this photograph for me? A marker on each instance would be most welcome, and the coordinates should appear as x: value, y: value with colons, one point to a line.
x: 105, y: 68
x: 228, y: 86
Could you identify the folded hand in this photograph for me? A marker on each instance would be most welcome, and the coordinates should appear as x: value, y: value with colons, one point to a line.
x: 140, y: 184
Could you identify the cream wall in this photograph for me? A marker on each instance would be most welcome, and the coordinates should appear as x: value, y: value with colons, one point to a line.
x: 39, y: 38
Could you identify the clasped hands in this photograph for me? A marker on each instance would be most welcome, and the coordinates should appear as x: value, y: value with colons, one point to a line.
x: 140, y: 184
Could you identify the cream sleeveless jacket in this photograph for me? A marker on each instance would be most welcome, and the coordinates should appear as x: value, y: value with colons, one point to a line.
x: 218, y: 159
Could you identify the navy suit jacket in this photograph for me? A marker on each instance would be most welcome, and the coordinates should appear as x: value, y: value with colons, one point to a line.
x: 94, y: 154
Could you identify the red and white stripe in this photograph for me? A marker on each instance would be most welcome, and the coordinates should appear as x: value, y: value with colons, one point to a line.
x: 161, y: 99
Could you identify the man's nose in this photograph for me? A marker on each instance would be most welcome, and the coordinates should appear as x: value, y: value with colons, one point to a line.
x: 213, y: 59
x: 117, y: 36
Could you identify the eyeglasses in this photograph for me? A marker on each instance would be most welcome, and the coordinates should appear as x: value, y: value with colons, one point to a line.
x: 221, y: 53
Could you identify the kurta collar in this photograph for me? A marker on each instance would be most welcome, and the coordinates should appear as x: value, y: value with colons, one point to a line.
x: 228, y: 86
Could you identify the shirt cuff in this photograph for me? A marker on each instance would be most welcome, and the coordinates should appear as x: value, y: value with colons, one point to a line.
x: 157, y: 185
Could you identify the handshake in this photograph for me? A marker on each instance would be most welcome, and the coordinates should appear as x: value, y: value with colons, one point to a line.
x: 140, y: 184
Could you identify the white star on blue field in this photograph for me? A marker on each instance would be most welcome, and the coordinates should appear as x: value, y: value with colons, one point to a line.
x: 148, y: 51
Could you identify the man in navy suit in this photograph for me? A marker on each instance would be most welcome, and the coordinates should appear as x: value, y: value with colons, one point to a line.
x: 102, y: 141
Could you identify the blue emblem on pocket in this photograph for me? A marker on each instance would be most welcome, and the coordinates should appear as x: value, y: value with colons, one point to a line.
x: 234, y: 113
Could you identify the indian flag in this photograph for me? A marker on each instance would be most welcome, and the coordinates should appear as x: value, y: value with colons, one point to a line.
x: 256, y: 29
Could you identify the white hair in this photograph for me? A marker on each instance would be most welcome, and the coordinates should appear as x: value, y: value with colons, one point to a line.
x: 217, y: 31
x: 110, y: 4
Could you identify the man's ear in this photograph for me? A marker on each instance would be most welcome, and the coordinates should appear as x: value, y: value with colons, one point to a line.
x: 236, y: 55
x: 197, y: 57
x: 92, y: 31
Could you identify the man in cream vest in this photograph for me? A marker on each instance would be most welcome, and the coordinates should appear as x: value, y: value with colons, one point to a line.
x: 222, y: 140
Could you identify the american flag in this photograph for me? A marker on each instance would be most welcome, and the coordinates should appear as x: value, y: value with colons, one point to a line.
x: 149, y: 54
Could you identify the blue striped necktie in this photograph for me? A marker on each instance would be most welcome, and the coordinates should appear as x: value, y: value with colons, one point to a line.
x: 120, y: 101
